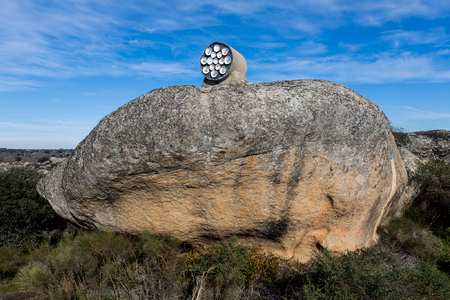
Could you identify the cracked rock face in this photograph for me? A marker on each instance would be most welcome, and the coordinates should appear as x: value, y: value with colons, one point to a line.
x: 287, y: 165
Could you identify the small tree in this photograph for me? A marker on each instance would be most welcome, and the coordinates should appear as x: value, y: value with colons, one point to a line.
x: 18, y: 158
x: 400, y: 135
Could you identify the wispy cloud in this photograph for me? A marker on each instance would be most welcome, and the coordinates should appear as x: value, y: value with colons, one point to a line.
x: 421, y: 114
x: 378, y: 12
x: 312, y: 48
x: 315, y: 15
x: 351, y: 47
x: 399, y: 37
x: 379, y: 68
x: 8, y: 83
x: 77, y: 38
x: 164, y: 69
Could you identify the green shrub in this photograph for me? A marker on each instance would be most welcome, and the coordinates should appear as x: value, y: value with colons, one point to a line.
x: 373, y: 274
x: 157, y: 244
x: 352, y: 276
x: 403, y: 234
x: 229, y: 265
x: 434, y: 173
x: 105, y: 265
x: 43, y: 159
x: 11, y: 259
x: 38, y: 275
x: 432, y: 206
x: 24, y: 215
x: 430, y: 283
x: 108, y: 265
x: 224, y: 265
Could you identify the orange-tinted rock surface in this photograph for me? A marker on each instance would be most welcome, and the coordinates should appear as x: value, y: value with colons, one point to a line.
x: 291, y: 165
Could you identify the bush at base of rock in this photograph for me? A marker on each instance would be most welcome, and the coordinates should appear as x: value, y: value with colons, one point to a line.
x: 432, y: 206
x: 99, y: 265
x: 24, y: 215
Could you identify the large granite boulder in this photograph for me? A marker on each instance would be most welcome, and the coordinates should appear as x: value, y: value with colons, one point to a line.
x: 287, y: 165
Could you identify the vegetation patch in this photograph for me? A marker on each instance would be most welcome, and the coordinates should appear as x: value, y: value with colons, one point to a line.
x: 24, y: 215
x: 411, y: 260
x: 401, y: 136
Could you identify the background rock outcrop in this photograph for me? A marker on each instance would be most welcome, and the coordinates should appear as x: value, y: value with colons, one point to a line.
x: 420, y: 146
x: 287, y: 165
x: 433, y: 144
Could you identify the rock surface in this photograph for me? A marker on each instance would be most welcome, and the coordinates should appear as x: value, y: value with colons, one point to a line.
x: 287, y: 165
x: 433, y: 144
x: 413, y: 188
x: 422, y: 146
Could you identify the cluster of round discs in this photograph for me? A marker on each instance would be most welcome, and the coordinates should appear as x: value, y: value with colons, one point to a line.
x: 216, y: 61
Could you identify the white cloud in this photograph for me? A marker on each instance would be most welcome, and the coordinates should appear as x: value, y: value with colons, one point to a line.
x: 8, y: 83
x: 443, y: 52
x: 312, y: 16
x: 351, y: 47
x: 378, y: 12
x: 379, y: 68
x: 164, y: 69
x: 312, y: 48
x: 268, y: 45
x: 399, y: 37
x: 73, y: 38
x: 421, y: 114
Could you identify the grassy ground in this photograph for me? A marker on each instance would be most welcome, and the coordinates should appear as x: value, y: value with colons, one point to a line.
x: 107, y: 265
x: 411, y: 261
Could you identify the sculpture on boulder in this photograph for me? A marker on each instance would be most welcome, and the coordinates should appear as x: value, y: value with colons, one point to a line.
x: 220, y: 63
x: 290, y: 166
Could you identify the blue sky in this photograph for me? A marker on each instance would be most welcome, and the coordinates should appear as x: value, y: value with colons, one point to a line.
x: 64, y: 65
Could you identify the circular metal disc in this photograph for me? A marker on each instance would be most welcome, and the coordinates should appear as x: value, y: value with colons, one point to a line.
x: 219, y: 60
